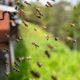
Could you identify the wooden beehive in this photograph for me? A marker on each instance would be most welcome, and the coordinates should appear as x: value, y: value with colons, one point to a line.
x: 4, y: 26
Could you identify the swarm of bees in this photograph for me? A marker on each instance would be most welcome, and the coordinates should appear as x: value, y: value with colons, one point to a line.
x: 38, y: 14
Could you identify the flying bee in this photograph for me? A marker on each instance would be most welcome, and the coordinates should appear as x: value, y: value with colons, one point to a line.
x: 74, y: 41
x: 46, y: 5
x: 56, y: 38
x: 23, y: 15
x: 17, y: 63
x: 39, y: 64
x: 27, y: 3
x: 47, y: 37
x: 44, y: 27
x: 20, y: 59
x: 35, y: 74
x: 35, y: 29
x: 5, y: 50
x: 36, y: 45
x: 37, y: 9
x: 15, y: 69
x: 38, y: 16
x: 17, y: 40
x: 28, y: 57
x: 39, y: 12
x: 47, y: 54
x: 72, y: 25
x: 53, y: 77
x: 50, y: 47
x: 25, y: 23
x: 49, y: 4
x: 70, y: 39
x: 53, y: 0
x: 20, y: 38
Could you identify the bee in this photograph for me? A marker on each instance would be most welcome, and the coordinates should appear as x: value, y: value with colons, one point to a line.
x: 16, y: 69
x: 53, y: 77
x: 72, y: 25
x: 23, y: 15
x: 36, y: 45
x: 25, y: 23
x: 44, y: 27
x: 35, y: 74
x: 39, y: 12
x: 53, y: 0
x: 17, y: 40
x: 74, y: 41
x: 17, y: 2
x: 47, y: 54
x: 37, y: 9
x: 56, y: 38
x: 5, y: 50
x: 29, y: 58
x: 71, y: 39
x: 49, y: 4
x: 47, y: 37
x: 39, y: 64
x: 20, y: 38
x: 35, y: 29
x: 38, y: 16
x: 20, y: 59
x: 50, y: 46
x: 27, y: 3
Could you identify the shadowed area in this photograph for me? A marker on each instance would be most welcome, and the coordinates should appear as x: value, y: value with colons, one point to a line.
x: 2, y: 66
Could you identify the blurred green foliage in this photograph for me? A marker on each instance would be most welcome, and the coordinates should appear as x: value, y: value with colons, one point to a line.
x: 63, y: 63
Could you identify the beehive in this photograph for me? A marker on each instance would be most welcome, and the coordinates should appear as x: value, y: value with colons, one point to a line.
x: 4, y: 26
